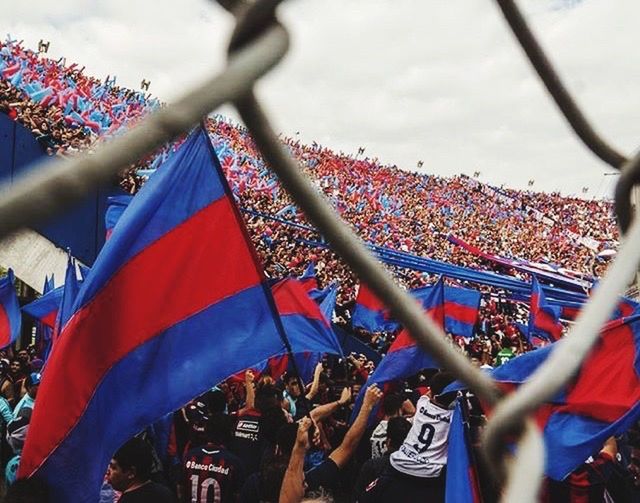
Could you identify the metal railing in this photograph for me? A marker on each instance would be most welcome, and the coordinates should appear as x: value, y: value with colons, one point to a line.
x: 258, y: 43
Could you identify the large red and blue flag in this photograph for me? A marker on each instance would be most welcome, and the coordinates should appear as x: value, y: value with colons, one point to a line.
x: 370, y: 313
x: 544, y: 319
x: 308, y: 331
x: 404, y: 357
x: 175, y: 303
x: 307, y: 327
x: 601, y: 401
x: 10, y: 316
x: 462, y: 482
x: 461, y: 309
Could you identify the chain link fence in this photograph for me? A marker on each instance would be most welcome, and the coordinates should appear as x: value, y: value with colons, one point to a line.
x: 258, y: 43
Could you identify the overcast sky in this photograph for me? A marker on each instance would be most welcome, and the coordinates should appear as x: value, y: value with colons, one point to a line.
x: 433, y: 80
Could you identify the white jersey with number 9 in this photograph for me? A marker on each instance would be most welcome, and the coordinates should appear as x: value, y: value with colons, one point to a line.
x: 424, y: 451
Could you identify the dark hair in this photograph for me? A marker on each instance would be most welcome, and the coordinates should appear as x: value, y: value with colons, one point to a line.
x: 397, y: 430
x: 216, y: 401
x: 218, y: 428
x: 267, y: 396
x: 271, y: 422
x: 290, y: 377
x: 440, y: 381
x: 392, y: 403
x: 286, y: 438
x: 27, y: 491
x: 136, y: 453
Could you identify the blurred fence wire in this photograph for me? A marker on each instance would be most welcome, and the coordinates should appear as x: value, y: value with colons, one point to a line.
x: 258, y: 43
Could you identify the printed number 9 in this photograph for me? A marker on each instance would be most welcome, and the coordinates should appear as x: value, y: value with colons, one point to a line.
x: 425, y: 437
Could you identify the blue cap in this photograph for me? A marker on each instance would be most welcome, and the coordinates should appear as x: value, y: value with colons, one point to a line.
x: 35, y: 378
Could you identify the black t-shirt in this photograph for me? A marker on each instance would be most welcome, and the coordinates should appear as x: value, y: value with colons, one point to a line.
x: 148, y: 493
x: 393, y: 485
x: 248, y: 440
x: 325, y: 475
x: 212, y: 474
x: 370, y: 471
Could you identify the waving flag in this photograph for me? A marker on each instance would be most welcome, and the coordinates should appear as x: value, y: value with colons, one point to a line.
x: 461, y: 309
x: 308, y: 278
x: 626, y: 307
x: 328, y: 302
x: 175, y: 287
x: 115, y: 208
x: 10, y: 317
x: 319, y: 295
x: 544, y: 319
x: 307, y: 328
x: 462, y: 483
x: 404, y: 357
x: 45, y: 308
x: 308, y: 331
x: 370, y: 313
x: 49, y: 284
x: 69, y: 293
x: 601, y: 401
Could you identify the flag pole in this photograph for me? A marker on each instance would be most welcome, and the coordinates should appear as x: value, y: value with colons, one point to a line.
x: 263, y: 283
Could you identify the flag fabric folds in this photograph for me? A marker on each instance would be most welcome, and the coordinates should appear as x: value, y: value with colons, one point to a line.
x: 115, y: 208
x: 461, y: 309
x: 404, y: 358
x: 308, y: 330
x: 308, y: 278
x: 43, y: 332
x: 370, y: 313
x: 45, y: 308
x: 70, y: 291
x: 602, y: 400
x: 10, y: 316
x: 174, y: 304
x: 462, y: 483
x: 328, y: 303
x: 544, y: 319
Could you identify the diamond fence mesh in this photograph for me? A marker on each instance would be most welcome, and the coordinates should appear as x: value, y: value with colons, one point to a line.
x: 258, y: 43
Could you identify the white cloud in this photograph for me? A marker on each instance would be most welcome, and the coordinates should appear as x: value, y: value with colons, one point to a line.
x: 436, y: 80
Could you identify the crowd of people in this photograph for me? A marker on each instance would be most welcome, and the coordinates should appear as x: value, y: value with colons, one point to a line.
x: 275, y: 438
x: 267, y: 439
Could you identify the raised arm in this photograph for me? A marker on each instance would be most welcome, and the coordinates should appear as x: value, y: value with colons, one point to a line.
x: 292, y: 489
x: 316, y: 381
x: 348, y: 446
x: 325, y: 410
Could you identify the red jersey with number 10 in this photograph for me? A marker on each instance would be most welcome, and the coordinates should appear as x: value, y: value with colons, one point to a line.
x: 211, y: 475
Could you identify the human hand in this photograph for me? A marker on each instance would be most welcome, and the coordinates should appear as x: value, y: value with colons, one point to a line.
x: 371, y: 397
x: 345, y: 396
x: 307, y: 434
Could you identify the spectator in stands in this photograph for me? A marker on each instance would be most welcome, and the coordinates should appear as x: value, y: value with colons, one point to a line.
x: 395, y: 433
x: 32, y: 383
x: 130, y: 471
x: 391, y: 407
x: 327, y: 474
x: 210, y: 471
x: 417, y: 471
